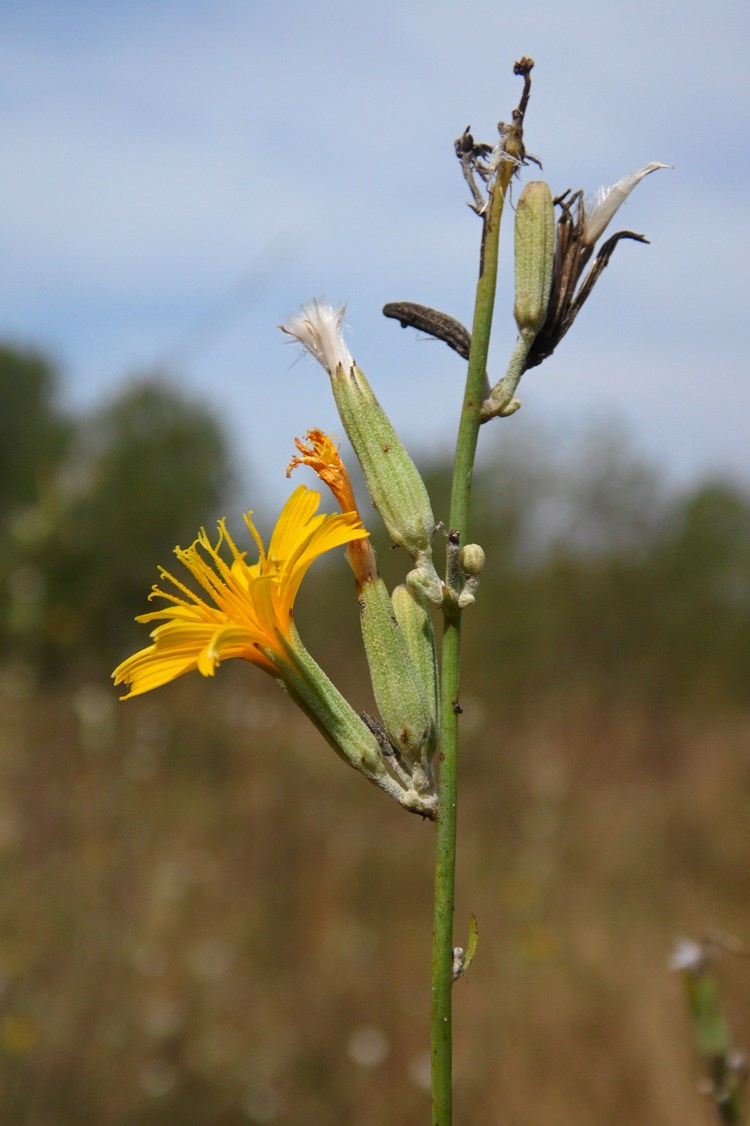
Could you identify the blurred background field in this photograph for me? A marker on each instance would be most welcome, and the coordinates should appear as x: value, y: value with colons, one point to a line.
x: 206, y: 919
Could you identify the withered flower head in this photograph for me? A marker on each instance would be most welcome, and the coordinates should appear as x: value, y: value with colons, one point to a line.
x: 578, y: 230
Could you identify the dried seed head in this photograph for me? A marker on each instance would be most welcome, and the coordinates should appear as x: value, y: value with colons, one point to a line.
x: 610, y: 200
x: 317, y: 326
x: 577, y: 233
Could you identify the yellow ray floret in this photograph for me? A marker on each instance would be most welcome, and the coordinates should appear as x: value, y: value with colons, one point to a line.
x: 245, y: 609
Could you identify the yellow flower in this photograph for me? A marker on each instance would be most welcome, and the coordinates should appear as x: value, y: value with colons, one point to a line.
x: 246, y: 609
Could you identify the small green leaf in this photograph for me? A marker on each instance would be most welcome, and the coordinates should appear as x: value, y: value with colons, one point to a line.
x: 471, y: 946
x: 462, y: 959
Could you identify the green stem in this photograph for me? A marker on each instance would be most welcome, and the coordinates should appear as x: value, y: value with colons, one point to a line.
x: 501, y: 399
x: 725, y: 1074
x: 445, y: 847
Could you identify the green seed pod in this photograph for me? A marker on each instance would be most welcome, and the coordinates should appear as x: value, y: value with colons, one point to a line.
x: 400, y: 695
x: 535, y: 254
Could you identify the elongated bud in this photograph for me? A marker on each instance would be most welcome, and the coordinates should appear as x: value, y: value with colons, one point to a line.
x: 393, y: 481
x: 535, y: 259
x: 399, y: 693
x: 413, y: 616
x: 535, y: 254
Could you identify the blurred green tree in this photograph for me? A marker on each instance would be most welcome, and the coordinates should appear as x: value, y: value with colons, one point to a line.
x: 141, y: 475
x: 705, y: 569
x: 153, y: 466
x: 34, y: 433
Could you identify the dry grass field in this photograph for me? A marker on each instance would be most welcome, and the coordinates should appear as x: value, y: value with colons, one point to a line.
x: 206, y: 920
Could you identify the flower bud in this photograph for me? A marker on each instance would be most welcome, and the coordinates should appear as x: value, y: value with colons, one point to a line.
x: 534, y: 256
x: 400, y: 695
x: 471, y: 560
x: 413, y: 616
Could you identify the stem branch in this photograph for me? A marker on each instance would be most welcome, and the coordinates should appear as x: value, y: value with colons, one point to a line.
x: 445, y: 847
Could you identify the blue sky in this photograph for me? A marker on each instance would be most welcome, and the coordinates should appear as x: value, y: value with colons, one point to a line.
x: 179, y: 177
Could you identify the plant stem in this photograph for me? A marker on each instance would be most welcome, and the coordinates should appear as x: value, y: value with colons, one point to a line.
x: 725, y: 1070
x: 445, y: 847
